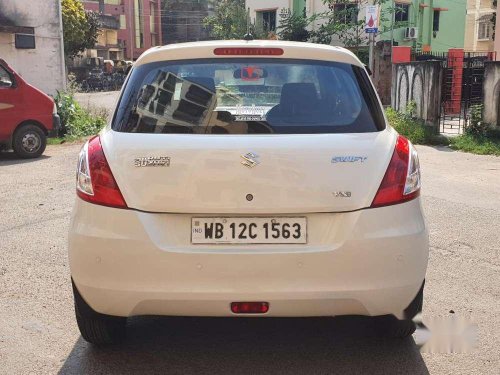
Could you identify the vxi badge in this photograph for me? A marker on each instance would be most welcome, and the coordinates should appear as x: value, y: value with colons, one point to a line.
x: 348, y: 159
x: 152, y: 161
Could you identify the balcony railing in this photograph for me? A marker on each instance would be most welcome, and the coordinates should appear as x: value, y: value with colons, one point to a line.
x: 109, y: 22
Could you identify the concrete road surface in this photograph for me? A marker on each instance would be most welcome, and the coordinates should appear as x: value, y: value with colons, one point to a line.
x: 38, y: 333
x: 98, y: 101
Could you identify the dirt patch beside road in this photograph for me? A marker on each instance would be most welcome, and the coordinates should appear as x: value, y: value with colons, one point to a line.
x: 38, y: 333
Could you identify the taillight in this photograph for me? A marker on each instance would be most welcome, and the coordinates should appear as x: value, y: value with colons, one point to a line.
x: 94, y: 181
x: 401, y: 181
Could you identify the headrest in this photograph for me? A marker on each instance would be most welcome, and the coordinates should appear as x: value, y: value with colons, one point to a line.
x: 297, y: 97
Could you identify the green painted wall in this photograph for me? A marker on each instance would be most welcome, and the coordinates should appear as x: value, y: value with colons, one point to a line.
x: 451, y: 24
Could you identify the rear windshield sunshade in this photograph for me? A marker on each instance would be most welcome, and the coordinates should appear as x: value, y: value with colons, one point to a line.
x: 248, y: 96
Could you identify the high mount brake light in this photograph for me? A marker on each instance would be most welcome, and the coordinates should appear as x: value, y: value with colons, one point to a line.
x: 401, y: 181
x: 94, y: 181
x: 249, y: 307
x: 248, y: 51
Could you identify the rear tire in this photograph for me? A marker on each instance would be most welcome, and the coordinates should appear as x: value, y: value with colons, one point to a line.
x: 98, y: 329
x: 29, y: 141
x: 392, y: 327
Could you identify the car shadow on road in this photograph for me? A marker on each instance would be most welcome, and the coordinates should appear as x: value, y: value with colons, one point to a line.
x: 443, y: 148
x: 10, y: 158
x: 248, y: 346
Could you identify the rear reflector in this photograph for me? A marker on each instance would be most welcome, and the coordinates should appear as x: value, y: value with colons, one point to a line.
x: 249, y: 51
x: 249, y: 307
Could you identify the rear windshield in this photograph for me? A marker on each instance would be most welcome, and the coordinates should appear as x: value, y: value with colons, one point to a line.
x: 248, y: 96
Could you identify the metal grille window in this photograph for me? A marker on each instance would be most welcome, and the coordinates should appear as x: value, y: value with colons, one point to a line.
x: 435, y: 20
x: 268, y: 20
x: 402, y: 12
x: 346, y: 14
x: 26, y: 39
x: 484, y: 30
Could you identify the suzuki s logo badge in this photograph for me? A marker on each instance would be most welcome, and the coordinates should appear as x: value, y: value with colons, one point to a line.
x: 348, y: 159
x: 152, y: 161
x: 250, y: 160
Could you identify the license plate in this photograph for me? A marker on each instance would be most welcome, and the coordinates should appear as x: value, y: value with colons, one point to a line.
x: 249, y: 230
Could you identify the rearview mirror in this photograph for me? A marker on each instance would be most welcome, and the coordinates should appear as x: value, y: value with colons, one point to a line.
x: 250, y: 73
x: 5, y: 84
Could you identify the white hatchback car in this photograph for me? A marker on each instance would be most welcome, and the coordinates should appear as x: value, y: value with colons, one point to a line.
x: 247, y: 178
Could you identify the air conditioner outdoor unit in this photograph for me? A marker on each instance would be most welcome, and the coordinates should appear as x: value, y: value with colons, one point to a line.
x: 411, y: 33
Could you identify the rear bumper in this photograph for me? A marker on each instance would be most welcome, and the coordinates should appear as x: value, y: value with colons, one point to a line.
x: 56, y: 126
x: 368, y: 262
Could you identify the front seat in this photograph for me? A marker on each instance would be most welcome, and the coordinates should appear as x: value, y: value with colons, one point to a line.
x: 298, y: 102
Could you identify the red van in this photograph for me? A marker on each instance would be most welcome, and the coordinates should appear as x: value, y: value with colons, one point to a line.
x: 27, y: 115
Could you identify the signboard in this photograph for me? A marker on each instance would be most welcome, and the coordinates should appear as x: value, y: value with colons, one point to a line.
x: 371, y: 21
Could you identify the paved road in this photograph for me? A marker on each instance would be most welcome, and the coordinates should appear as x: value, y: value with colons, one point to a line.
x: 38, y: 333
x: 106, y: 100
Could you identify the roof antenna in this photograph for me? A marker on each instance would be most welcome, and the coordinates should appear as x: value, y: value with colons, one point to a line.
x: 248, y: 36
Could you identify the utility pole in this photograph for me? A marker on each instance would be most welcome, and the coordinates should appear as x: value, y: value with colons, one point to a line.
x: 393, y: 12
x: 371, y: 38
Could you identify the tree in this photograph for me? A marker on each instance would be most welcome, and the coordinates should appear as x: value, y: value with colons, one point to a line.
x: 343, y: 22
x: 80, y: 28
x: 229, y: 20
x: 293, y: 27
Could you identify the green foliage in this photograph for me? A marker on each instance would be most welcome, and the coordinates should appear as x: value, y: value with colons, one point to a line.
x: 343, y: 22
x: 475, y: 126
x: 229, y: 20
x: 411, y: 107
x: 293, y: 27
x: 488, y: 144
x: 363, y: 55
x: 77, y: 122
x: 413, y: 129
x: 80, y: 28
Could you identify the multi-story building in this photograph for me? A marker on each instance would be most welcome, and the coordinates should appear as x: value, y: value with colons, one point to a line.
x: 479, y: 26
x: 182, y: 20
x: 496, y: 47
x: 266, y: 14
x: 31, y: 42
x: 428, y: 25
x: 130, y: 27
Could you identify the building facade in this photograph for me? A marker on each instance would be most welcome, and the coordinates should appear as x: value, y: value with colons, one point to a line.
x: 428, y: 25
x: 266, y: 14
x: 130, y: 27
x: 479, y: 26
x: 31, y: 42
x: 496, y: 43
x: 182, y: 20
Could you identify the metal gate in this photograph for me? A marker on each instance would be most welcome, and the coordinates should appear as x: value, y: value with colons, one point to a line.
x: 462, y: 87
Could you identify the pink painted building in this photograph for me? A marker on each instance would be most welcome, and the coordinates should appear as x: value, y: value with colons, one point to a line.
x: 130, y: 27
x: 497, y: 34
